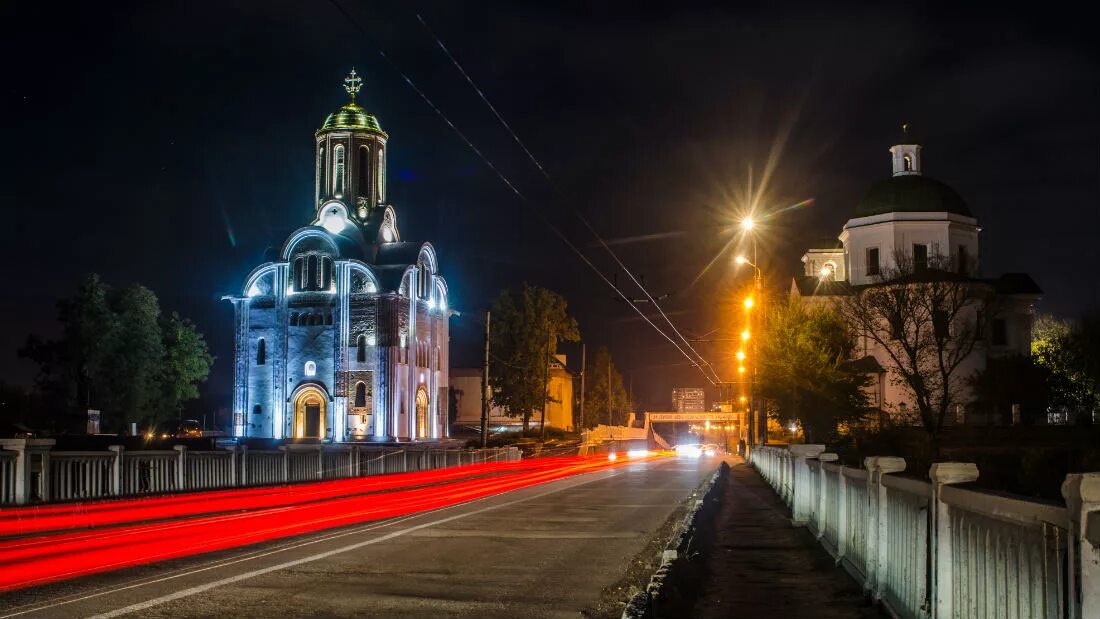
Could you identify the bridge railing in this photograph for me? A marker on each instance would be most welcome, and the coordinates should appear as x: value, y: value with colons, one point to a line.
x: 30, y: 471
x: 930, y: 549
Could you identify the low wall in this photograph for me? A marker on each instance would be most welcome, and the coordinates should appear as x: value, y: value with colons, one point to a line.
x: 32, y: 471
x: 933, y: 549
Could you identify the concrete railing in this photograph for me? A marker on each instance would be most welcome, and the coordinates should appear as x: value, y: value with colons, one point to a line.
x: 933, y: 550
x: 30, y: 471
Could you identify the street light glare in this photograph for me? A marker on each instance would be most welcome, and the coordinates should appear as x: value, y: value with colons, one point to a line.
x: 740, y: 355
x: 745, y: 335
x: 740, y: 260
x: 748, y: 303
x: 747, y: 223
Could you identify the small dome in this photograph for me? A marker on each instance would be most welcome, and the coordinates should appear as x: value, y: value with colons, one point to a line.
x: 911, y: 194
x: 352, y: 116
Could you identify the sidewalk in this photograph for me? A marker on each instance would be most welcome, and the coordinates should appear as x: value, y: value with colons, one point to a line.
x: 762, y: 566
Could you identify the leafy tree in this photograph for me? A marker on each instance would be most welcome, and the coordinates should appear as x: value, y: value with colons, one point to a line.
x: 600, y: 372
x: 803, y: 369
x: 526, y: 327
x: 118, y: 354
x: 927, y: 321
x: 1072, y: 356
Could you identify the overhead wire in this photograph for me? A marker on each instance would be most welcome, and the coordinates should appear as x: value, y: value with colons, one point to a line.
x: 351, y: 19
x: 534, y: 160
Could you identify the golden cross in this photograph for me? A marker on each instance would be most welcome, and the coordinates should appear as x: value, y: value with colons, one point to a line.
x: 352, y: 84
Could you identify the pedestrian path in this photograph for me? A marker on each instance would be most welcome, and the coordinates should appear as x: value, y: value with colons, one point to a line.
x: 763, y: 566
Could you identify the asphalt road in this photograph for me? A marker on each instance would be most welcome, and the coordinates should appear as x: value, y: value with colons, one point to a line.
x: 544, y: 551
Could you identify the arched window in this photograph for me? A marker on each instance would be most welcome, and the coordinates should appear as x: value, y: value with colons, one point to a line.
x: 360, y: 395
x: 338, y: 171
x: 907, y: 163
x: 361, y: 349
x: 257, y: 410
x: 320, y: 170
x: 294, y: 319
x: 326, y: 272
x: 381, y: 175
x: 363, y: 178
x: 311, y: 368
x: 311, y: 273
x: 261, y: 352
x: 297, y: 279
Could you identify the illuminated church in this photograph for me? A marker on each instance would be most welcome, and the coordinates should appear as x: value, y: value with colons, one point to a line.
x: 342, y: 334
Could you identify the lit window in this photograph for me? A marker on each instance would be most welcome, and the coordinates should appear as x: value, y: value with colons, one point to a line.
x: 311, y: 368
x: 338, y: 171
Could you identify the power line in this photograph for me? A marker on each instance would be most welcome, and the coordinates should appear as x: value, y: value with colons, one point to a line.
x: 508, y: 183
x: 542, y: 169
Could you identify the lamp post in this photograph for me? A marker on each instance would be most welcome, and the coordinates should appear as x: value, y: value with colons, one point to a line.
x: 756, y: 436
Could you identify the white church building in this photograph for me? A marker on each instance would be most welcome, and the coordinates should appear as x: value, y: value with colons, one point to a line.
x: 342, y: 334
x: 921, y: 220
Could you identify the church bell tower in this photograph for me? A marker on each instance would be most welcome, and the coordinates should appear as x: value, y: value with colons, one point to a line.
x: 351, y: 157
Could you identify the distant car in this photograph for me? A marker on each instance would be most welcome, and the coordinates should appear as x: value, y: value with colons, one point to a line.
x: 711, y: 449
x: 180, y: 428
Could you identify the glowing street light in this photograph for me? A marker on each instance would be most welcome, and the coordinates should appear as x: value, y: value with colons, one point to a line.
x: 740, y: 355
x: 745, y: 335
x: 747, y: 223
x: 748, y: 302
x: 741, y: 369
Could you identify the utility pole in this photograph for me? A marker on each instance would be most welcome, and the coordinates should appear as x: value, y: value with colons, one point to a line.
x: 545, y: 386
x: 581, y: 424
x: 609, y: 424
x: 485, y: 388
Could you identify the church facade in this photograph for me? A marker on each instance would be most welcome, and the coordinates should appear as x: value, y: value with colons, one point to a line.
x: 926, y: 225
x: 342, y: 334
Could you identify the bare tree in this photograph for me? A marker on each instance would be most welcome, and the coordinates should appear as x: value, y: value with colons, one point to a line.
x: 927, y: 319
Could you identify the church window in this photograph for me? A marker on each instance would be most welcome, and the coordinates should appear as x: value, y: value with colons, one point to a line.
x: 363, y: 178
x: 297, y: 278
x: 326, y: 272
x: 1000, y: 332
x: 261, y: 352
x: 360, y: 395
x: 338, y: 171
x: 311, y: 273
x: 257, y: 410
x: 920, y: 257
x: 964, y: 260
x: 907, y: 163
x: 320, y: 169
x: 361, y: 349
x: 381, y: 175
x: 311, y: 368
x: 872, y: 261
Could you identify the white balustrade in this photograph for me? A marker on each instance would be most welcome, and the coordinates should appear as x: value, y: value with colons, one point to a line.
x: 931, y: 550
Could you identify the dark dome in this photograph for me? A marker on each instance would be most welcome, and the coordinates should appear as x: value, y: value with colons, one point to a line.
x: 911, y: 193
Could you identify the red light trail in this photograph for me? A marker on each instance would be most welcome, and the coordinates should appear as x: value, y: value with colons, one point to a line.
x: 110, y: 535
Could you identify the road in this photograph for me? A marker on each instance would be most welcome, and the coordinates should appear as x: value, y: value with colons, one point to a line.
x: 546, y: 550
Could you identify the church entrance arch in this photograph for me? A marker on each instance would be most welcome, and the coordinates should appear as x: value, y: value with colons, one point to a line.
x: 421, y: 412
x: 309, y: 413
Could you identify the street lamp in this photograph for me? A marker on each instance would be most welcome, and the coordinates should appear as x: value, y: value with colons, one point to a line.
x: 748, y: 226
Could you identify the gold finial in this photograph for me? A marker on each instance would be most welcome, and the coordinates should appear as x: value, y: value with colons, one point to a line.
x: 352, y: 84
x: 904, y: 127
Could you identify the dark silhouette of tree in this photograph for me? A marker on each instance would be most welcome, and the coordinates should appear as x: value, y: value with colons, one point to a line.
x: 600, y: 369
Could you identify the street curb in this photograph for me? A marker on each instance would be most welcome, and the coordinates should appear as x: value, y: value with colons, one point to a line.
x: 672, y: 584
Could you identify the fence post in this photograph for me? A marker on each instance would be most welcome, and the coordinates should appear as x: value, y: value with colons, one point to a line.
x: 321, y: 461
x: 877, y: 529
x: 800, y: 507
x: 244, y: 465
x: 353, y: 461
x: 941, y: 474
x: 823, y: 489
x: 116, y: 469
x: 181, y: 467
x: 233, y: 466
x: 1082, y: 494
x: 841, y: 515
x: 286, y: 462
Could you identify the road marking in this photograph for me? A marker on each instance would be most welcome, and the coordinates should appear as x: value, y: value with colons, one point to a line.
x: 323, y: 555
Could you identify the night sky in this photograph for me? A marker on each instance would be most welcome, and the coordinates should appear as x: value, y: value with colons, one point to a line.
x: 170, y: 143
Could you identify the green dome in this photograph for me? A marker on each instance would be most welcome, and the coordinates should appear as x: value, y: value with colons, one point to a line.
x: 352, y: 116
x: 911, y: 193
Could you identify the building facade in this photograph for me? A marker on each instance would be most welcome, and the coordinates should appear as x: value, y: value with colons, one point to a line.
x: 911, y: 223
x: 559, y: 410
x: 689, y: 400
x: 342, y: 334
